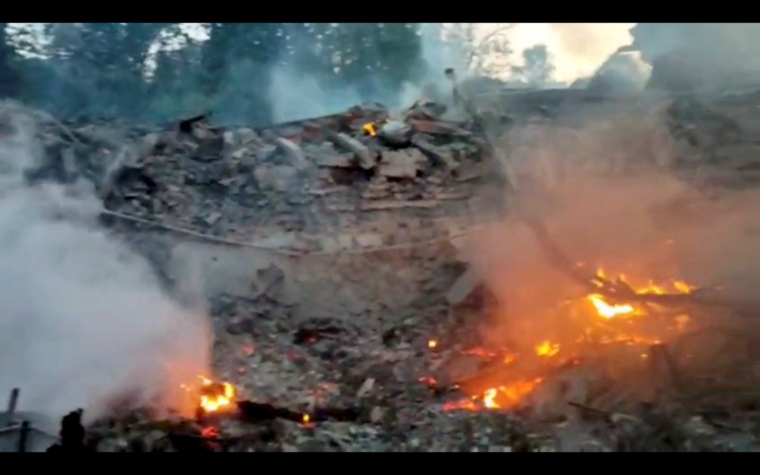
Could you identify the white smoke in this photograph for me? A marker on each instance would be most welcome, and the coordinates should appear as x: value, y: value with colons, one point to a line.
x: 82, y: 318
x: 576, y: 50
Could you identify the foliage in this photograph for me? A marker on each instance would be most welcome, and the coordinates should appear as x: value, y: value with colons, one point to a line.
x: 536, y: 69
x: 156, y: 72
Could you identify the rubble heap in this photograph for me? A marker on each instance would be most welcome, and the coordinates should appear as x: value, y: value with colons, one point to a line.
x: 358, y: 186
x: 331, y: 257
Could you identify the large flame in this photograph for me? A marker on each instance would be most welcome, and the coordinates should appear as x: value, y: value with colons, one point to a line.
x: 506, y: 396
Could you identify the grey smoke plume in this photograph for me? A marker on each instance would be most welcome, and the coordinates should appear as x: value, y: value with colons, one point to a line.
x: 82, y: 318
x: 298, y: 95
x: 704, y: 55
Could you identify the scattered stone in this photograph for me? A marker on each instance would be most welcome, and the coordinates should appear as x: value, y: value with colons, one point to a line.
x: 402, y: 164
x: 293, y: 152
x: 213, y: 218
x: 366, y: 158
x: 247, y: 136
x: 395, y: 133
x: 277, y: 178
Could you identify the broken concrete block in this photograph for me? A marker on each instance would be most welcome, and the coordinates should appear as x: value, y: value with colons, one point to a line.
x: 265, y: 152
x: 229, y: 138
x: 202, y: 132
x: 402, y: 163
x: 149, y: 143
x: 363, y: 154
x: 277, y: 178
x: 293, y: 152
x: 437, y: 154
x: 212, y: 218
x: 247, y: 135
x: 337, y: 160
x: 395, y: 133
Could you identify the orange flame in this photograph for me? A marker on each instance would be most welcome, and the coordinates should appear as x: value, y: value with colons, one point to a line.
x: 370, y: 129
x: 216, y: 397
x: 501, y: 397
x: 547, y: 348
x: 608, y: 310
x: 512, y: 394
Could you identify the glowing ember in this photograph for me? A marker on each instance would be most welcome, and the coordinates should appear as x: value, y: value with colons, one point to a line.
x: 370, y: 129
x: 547, y: 348
x: 479, y: 351
x: 489, y: 398
x: 502, y: 397
x: 216, y: 397
x: 609, y: 311
x: 432, y: 344
x: 306, y: 419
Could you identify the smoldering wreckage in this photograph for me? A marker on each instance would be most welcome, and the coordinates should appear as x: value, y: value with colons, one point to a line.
x: 339, y: 257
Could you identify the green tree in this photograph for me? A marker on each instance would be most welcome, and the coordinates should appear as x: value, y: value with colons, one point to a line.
x: 537, y: 69
x: 236, y: 61
x: 10, y: 80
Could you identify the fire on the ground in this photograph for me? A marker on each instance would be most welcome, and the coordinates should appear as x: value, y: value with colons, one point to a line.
x: 597, y: 312
x: 212, y: 396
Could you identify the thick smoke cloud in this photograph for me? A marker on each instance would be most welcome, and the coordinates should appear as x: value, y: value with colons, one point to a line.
x: 82, y: 318
x: 703, y: 55
x: 606, y: 194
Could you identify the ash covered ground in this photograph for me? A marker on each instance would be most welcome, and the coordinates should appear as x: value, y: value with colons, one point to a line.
x: 369, y: 289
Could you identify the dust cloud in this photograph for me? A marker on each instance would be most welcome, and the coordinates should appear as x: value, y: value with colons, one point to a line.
x: 610, y: 201
x: 83, y: 321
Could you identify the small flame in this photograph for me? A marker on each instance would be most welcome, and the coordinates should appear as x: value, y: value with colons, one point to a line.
x: 502, y: 397
x: 489, y: 398
x: 609, y: 311
x: 306, y: 419
x: 370, y: 129
x: 432, y: 344
x: 216, y: 397
x: 547, y: 348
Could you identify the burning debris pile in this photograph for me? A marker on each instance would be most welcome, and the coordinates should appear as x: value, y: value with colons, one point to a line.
x: 417, y: 356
